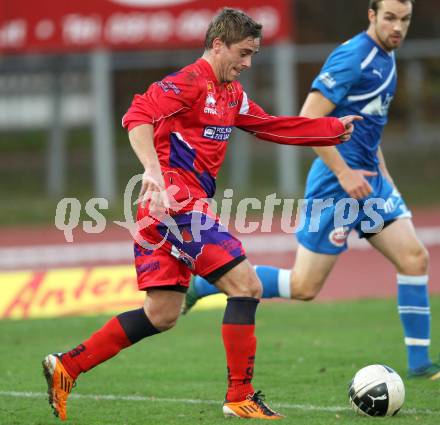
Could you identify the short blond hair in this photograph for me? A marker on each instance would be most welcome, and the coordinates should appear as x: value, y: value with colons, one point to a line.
x: 231, y: 26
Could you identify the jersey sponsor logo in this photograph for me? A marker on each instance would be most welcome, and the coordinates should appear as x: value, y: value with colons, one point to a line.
x: 233, y: 104
x: 217, y: 133
x: 169, y: 85
x: 327, y: 80
x: 377, y: 107
x: 338, y: 236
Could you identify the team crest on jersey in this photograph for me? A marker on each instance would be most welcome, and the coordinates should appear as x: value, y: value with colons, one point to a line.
x: 230, y: 88
x: 338, y: 236
x: 210, y: 87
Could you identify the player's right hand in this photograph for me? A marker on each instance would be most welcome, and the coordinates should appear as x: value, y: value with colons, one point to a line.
x: 354, y: 182
x: 153, y: 190
x: 347, y: 121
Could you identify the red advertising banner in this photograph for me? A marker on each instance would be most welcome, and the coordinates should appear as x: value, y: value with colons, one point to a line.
x: 81, y: 25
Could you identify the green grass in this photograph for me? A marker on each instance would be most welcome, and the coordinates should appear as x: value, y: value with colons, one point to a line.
x: 307, y: 354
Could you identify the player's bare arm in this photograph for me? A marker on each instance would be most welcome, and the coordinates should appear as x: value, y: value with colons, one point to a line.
x: 153, y: 185
x: 383, y: 166
x: 352, y: 181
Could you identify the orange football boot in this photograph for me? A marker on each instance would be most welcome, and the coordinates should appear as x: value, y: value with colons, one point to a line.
x: 59, y: 384
x: 253, y: 407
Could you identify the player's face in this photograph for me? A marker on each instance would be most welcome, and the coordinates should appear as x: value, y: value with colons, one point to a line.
x: 236, y: 58
x: 390, y: 24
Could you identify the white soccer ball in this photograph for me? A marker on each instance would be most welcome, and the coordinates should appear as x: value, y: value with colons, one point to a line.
x: 376, y: 390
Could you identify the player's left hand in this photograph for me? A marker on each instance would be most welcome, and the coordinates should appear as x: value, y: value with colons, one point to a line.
x: 347, y: 121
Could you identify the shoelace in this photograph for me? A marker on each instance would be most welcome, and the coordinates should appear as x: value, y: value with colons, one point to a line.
x: 258, y: 398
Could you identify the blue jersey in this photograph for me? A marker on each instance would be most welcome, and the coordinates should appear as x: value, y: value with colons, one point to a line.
x: 359, y: 77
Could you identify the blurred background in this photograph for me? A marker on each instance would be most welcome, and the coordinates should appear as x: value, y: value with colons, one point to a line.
x: 69, y: 70
x: 68, y: 74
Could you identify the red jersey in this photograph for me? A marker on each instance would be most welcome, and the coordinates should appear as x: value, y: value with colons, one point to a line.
x: 193, y: 116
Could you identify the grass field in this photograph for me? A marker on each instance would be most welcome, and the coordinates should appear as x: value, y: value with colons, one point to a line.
x: 307, y: 354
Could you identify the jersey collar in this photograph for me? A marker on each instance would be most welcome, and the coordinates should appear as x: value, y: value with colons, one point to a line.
x: 207, y: 70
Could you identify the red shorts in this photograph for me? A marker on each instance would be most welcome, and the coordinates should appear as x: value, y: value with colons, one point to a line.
x: 192, y: 243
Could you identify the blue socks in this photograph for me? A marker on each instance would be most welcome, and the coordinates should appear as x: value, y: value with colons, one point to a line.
x: 269, y: 279
x: 203, y: 288
x: 412, y: 299
x: 276, y: 283
x: 415, y: 315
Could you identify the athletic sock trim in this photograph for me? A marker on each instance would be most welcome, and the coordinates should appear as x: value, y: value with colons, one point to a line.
x: 240, y: 311
x: 417, y: 341
x: 284, y: 283
x: 403, y: 279
x: 136, y: 325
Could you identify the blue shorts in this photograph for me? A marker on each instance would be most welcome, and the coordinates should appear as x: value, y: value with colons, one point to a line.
x: 328, y: 214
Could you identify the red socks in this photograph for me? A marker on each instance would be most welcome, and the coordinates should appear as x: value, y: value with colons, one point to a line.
x: 240, y: 343
x: 118, y: 333
x: 238, y: 331
x: 101, y: 346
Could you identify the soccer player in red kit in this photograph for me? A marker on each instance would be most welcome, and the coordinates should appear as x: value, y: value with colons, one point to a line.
x: 179, y: 129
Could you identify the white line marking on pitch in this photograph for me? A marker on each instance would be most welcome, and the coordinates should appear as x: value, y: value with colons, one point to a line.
x: 111, y: 397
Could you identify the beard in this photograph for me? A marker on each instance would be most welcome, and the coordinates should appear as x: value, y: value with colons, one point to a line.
x: 387, y: 41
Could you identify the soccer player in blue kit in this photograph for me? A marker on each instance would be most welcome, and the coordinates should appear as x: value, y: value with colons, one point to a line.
x: 358, y: 78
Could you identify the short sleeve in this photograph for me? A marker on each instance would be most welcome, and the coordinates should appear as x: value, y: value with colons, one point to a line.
x: 340, y: 72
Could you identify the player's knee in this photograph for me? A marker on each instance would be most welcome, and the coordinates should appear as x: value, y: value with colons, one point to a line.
x: 415, y: 262
x: 246, y: 288
x: 255, y: 289
x: 162, y: 320
x: 304, y: 294
x: 304, y: 289
x: 165, y: 323
x: 242, y: 282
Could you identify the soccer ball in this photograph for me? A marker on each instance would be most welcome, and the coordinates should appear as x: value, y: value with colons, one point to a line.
x: 376, y: 390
